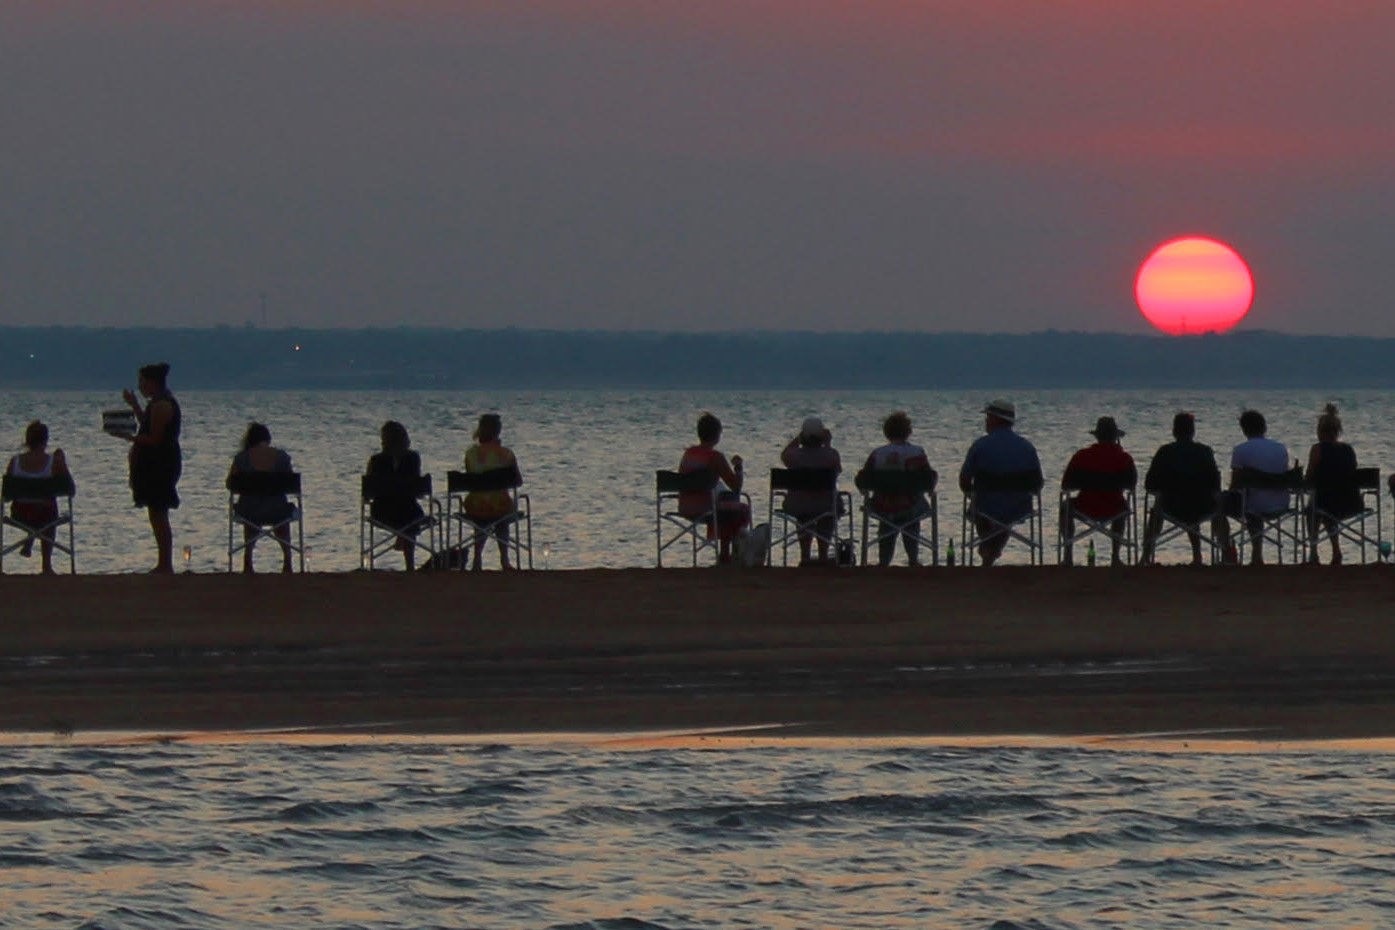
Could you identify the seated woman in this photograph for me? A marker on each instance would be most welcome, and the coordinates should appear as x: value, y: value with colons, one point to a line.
x: 732, y: 513
x: 489, y: 454
x: 816, y: 512
x: 399, y: 511
x: 1332, y: 474
x: 259, y: 455
x: 36, y: 462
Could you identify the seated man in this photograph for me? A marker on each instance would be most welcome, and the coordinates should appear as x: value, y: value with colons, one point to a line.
x: 1186, y: 482
x: 1105, y: 459
x: 1000, y: 451
x: 1261, y: 454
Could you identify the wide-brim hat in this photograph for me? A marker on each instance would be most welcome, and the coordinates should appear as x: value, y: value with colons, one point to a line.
x: 1002, y: 409
x: 812, y: 428
x: 1106, y: 428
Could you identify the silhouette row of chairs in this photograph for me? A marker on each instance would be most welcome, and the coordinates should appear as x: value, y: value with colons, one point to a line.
x: 441, y: 535
x: 1289, y: 529
x: 447, y: 527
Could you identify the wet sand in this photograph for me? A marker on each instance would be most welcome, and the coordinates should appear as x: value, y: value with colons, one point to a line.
x: 1278, y: 653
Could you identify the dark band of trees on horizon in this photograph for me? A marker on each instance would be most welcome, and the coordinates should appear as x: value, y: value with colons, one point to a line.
x: 411, y: 358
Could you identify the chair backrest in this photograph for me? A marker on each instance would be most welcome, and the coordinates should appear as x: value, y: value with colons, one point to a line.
x: 1253, y: 479
x: 989, y: 482
x: 21, y: 488
x: 496, y: 479
x: 803, y: 479
x: 1368, y: 479
x: 1184, y: 483
x: 1100, y: 481
x: 264, y: 482
x: 395, y: 486
x: 895, y: 481
x: 675, y: 482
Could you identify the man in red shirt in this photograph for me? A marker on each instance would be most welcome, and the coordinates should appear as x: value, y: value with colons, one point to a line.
x: 1099, y: 472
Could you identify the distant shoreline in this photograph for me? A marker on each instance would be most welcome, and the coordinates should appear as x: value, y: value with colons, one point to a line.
x: 253, y: 358
x: 1277, y: 653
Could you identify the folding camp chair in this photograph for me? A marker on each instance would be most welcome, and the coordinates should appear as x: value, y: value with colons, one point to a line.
x: 58, y: 488
x: 1025, y: 528
x: 1282, y: 527
x: 1362, y: 526
x: 376, y: 538
x: 697, y: 526
x: 832, y: 524
x: 514, y: 528
x: 1177, y: 505
x: 1087, y: 526
x: 266, y: 483
x: 918, y: 486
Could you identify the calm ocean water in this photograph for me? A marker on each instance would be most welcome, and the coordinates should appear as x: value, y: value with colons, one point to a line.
x: 589, y: 456
x: 456, y: 836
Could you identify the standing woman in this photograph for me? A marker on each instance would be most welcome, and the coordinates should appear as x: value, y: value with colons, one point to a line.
x: 155, y: 458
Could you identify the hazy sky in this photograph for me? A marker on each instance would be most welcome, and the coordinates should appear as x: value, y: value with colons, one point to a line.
x: 697, y: 164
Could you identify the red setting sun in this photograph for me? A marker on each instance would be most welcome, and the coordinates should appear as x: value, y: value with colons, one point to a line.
x: 1194, y: 285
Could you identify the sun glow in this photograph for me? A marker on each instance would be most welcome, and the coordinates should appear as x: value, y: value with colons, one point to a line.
x: 1194, y: 285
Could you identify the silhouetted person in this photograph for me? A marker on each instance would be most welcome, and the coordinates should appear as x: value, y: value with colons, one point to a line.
x: 156, y: 460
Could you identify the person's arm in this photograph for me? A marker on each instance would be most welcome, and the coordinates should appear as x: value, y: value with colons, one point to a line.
x: 161, y: 413
x: 787, y: 453
x: 1069, y: 473
x: 731, y: 476
x: 233, y: 472
x: 132, y: 401
x: 1314, y: 456
x: 966, y: 471
x: 60, y: 462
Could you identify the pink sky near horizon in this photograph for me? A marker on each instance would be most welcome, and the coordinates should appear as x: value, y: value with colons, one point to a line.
x: 629, y: 163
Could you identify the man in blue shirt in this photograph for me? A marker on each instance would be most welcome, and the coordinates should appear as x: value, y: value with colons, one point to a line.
x: 999, y: 452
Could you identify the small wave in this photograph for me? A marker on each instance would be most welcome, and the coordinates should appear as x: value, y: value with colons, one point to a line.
x: 309, y: 811
x: 612, y: 923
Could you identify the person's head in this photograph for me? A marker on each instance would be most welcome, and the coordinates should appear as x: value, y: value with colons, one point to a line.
x: 1184, y: 426
x: 1329, y: 425
x: 897, y: 427
x: 256, y: 435
x: 490, y: 426
x: 394, y: 438
x: 35, y: 436
x: 709, y: 429
x: 812, y: 433
x: 1252, y: 424
x: 1106, y: 430
x: 999, y: 414
x: 152, y: 378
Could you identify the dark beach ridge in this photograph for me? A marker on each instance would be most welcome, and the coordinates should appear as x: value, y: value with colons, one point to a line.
x: 1280, y: 652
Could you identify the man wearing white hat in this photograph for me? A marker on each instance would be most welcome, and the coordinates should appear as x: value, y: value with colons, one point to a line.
x: 1000, y: 451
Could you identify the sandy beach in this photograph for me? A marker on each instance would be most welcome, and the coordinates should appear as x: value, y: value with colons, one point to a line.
x: 1279, y: 652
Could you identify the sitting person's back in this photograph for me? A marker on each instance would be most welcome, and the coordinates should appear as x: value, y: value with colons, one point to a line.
x: 1261, y: 454
x: 1183, y: 474
x: 1332, y: 469
x: 36, y: 462
x: 898, y: 455
x: 259, y: 455
x: 1000, y: 451
x: 1105, y: 459
x: 261, y: 508
x: 396, y: 462
x: 810, y: 450
x: 486, y: 455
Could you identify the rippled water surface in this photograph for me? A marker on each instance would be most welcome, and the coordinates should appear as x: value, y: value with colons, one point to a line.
x: 589, y: 456
x: 441, y: 835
